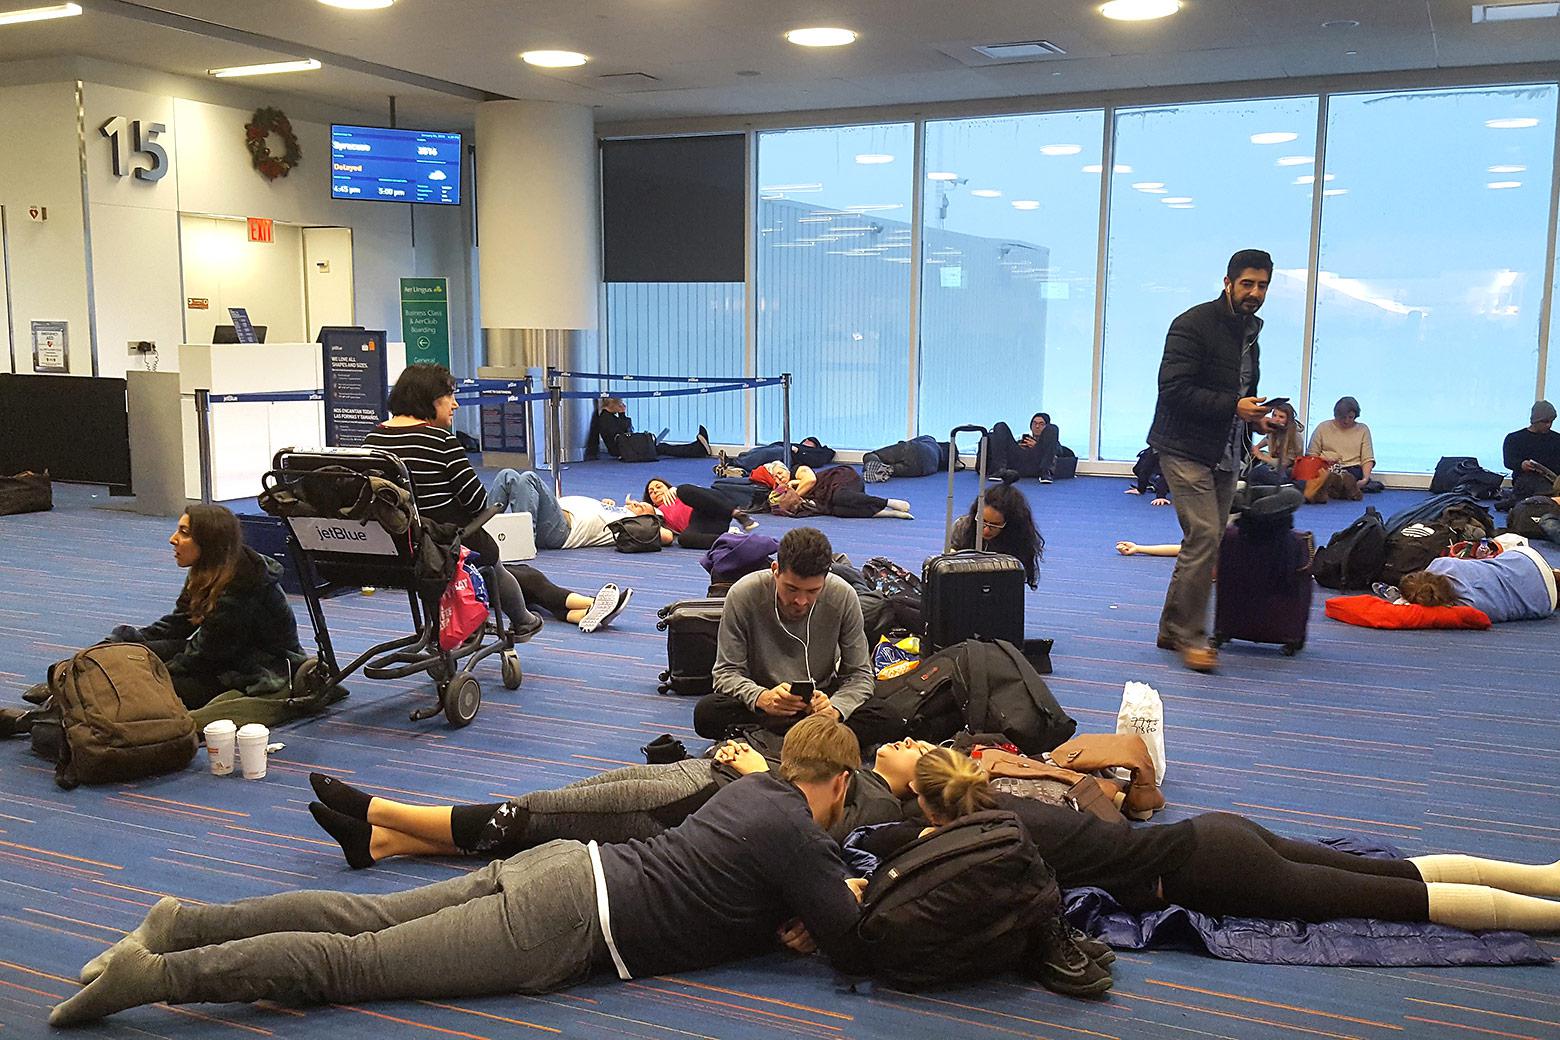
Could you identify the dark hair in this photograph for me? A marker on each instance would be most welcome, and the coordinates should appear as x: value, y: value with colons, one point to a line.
x: 1428, y: 590
x: 1041, y: 415
x: 805, y: 552
x: 1019, y: 536
x: 221, y: 540
x: 417, y: 388
x: 1347, y: 404
x: 663, y: 480
x: 1247, y: 259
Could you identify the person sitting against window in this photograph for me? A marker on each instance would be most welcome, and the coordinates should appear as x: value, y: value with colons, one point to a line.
x: 1033, y: 455
x: 1345, y: 441
x: 1007, y: 526
x: 612, y: 421
x: 794, y: 623
x: 1517, y: 585
x: 1530, y: 451
x: 1150, y: 478
x: 692, y: 515
x: 1274, y: 455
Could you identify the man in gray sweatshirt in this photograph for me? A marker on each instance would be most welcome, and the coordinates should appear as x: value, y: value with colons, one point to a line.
x: 792, y: 624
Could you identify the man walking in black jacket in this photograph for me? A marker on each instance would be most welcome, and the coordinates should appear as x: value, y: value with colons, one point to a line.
x: 1206, y: 409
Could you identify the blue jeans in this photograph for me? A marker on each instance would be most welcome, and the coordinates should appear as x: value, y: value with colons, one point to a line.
x: 520, y: 492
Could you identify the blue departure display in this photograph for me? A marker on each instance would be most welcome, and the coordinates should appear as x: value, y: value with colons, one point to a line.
x: 385, y: 165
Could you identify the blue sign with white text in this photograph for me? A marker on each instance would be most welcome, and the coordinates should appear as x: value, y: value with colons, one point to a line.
x: 387, y: 165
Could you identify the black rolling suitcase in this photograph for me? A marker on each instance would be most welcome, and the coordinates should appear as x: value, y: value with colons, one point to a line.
x: 1263, y: 588
x: 691, y: 627
x: 970, y: 593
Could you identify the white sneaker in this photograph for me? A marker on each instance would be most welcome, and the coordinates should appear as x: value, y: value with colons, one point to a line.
x: 609, y: 602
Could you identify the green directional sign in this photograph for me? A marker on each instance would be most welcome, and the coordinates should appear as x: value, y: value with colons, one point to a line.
x: 425, y: 321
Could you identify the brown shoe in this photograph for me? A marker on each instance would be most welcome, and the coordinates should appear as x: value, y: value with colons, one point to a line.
x: 1200, y: 658
x: 1165, y: 643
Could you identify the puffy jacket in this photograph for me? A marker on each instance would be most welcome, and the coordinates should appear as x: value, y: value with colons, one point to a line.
x: 1199, y: 382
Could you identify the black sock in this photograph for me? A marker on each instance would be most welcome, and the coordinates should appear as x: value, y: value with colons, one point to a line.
x: 340, y: 796
x: 353, y: 835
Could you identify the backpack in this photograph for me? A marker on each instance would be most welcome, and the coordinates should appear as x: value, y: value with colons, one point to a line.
x: 1463, y: 474
x: 968, y: 901
x: 984, y: 687
x: 636, y: 534
x: 1353, y: 558
x: 120, y: 718
x: 1412, y: 549
x: 1468, y: 521
x: 1445, y: 478
x: 636, y: 447
x: 1430, y: 509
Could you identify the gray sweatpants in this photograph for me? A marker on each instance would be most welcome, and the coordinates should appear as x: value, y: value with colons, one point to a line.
x: 1201, y: 496
x: 527, y: 924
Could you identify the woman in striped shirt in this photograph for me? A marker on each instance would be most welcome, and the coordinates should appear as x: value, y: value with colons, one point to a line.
x: 422, y: 406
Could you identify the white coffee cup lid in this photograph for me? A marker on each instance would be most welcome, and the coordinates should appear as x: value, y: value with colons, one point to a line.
x: 254, y: 730
x: 220, y: 726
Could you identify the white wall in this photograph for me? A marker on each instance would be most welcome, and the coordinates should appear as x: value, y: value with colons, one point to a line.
x: 40, y: 166
x: 327, y: 278
x: 224, y: 268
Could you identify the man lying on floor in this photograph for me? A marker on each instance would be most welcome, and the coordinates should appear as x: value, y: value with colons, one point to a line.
x: 542, y: 920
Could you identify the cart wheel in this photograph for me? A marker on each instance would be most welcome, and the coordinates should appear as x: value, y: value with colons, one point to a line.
x: 1291, y: 649
x: 663, y: 677
x: 462, y: 699
x: 307, y: 681
x: 510, y: 666
x: 663, y: 689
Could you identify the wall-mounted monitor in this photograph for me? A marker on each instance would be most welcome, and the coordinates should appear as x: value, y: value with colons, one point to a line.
x: 382, y: 164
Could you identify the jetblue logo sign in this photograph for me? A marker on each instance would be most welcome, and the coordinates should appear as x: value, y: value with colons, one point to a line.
x: 341, y: 536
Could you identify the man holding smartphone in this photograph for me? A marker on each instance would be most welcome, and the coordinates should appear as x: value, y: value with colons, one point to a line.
x: 792, y: 644
x: 1207, y: 408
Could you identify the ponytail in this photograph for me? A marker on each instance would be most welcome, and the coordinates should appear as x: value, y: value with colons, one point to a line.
x: 952, y: 785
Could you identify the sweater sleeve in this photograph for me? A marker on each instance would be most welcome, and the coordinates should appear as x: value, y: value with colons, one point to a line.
x: 855, y: 671
x: 730, y: 673
x: 1367, y: 449
x: 1179, y: 385
x: 813, y: 886
x: 464, y: 482
x: 1511, y: 451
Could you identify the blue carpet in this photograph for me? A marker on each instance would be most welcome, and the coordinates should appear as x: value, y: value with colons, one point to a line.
x: 1430, y: 740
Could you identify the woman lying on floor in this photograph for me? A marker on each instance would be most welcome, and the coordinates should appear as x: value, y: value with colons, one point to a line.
x: 836, y: 491
x: 1226, y: 865
x: 1517, y: 585
x: 588, y: 612
x: 691, y: 515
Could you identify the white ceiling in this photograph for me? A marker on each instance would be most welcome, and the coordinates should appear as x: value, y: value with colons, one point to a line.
x: 909, y: 51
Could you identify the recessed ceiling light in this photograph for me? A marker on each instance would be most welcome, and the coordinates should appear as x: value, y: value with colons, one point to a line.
x: 1176, y: 200
x: 358, y: 5
x: 986, y: 193
x: 873, y: 159
x: 1097, y: 168
x: 1307, y: 178
x: 1295, y: 160
x: 1139, y: 10
x: 821, y: 36
x: 269, y: 68
x: 1341, y: 23
x: 1516, y: 123
x: 554, y: 59
x: 942, y: 175
x: 1181, y: 205
x: 39, y: 14
x: 1508, y: 168
x: 1273, y: 137
x: 1025, y: 204
x: 1060, y: 149
x: 1497, y: 185
x: 1350, y: 54
x: 1336, y: 191
x: 1148, y: 185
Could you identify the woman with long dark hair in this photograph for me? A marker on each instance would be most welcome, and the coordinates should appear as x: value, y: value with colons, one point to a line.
x: 695, y: 515
x: 231, y: 626
x: 1007, y: 526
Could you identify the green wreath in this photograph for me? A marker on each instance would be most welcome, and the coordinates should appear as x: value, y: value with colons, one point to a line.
x: 257, y: 135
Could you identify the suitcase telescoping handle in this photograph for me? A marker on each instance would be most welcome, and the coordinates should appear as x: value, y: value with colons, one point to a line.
x: 953, y: 464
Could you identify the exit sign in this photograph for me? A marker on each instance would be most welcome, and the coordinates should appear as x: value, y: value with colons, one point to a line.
x: 260, y: 229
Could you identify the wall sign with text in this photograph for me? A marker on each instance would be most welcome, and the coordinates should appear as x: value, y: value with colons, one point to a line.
x: 137, y: 137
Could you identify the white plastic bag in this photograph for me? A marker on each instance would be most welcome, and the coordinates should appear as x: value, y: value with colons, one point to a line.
x: 1143, y: 713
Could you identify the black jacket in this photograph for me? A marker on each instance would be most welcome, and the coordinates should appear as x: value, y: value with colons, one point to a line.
x: 605, y: 429
x: 1199, y: 382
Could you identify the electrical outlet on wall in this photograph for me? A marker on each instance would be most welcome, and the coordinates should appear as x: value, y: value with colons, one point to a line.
x: 323, y: 266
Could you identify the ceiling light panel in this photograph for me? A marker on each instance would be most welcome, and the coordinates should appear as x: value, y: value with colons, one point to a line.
x: 1139, y: 10
x: 39, y: 14
x: 821, y: 36
x: 269, y: 68
x: 358, y: 5
x: 554, y: 59
x: 1514, y: 12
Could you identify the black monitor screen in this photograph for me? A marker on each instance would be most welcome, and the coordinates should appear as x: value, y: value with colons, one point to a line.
x: 228, y: 334
x: 381, y: 164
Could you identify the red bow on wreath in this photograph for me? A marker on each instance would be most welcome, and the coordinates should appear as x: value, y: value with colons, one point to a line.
x: 257, y: 135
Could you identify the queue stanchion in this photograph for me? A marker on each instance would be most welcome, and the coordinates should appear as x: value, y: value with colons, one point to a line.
x: 203, y: 441
x: 555, y: 435
x: 785, y: 415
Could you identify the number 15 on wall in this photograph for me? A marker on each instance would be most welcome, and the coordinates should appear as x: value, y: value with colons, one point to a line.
x: 142, y: 141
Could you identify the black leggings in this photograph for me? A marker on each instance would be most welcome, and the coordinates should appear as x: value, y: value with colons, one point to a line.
x: 711, y: 516
x: 856, y: 505
x: 1242, y: 869
x: 539, y: 591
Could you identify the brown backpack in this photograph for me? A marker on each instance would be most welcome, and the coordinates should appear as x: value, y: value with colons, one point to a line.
x: 119, y: 715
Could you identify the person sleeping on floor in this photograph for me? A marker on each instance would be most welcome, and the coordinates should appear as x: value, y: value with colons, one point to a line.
x: 1517, y: 585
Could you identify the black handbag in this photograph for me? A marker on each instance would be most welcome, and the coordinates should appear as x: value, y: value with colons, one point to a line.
x: 636, y: 534
x: 26, y: 493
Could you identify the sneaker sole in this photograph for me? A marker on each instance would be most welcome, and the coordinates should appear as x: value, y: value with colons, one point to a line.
x: 624, y: 595
x: 599, y: 608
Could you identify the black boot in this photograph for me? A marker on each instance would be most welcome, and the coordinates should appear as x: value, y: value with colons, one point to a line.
x: 16, y: 721
x: 664, y: 749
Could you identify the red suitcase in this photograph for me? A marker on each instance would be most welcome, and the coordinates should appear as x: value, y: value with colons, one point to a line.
x: 1263, y: 588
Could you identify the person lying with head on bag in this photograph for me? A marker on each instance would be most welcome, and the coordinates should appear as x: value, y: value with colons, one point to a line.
x: 1517, y: 585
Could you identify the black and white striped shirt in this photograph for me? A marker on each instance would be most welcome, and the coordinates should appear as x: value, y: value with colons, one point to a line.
x: 443, y: 478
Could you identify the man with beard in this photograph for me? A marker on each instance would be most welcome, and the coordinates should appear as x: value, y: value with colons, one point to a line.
x: 792, y: 644
x: 1207, y: 407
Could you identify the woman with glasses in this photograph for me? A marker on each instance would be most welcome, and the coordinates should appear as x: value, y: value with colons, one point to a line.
x: 1007, y: 526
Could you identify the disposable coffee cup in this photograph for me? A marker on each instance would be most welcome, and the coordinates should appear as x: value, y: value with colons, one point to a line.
x: 252, y: 740
x: 220, y: 739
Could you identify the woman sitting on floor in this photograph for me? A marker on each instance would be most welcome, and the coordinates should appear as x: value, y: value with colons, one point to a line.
x: 1007, y: 526
x: 1517, y: 585
x: 695, y: 516
x: 835, y: 491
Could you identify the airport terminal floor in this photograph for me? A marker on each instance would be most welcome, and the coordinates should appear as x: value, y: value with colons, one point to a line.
x: 1427, y: 740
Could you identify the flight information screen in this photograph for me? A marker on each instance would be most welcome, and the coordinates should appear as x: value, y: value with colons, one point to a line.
x: 386, y: 165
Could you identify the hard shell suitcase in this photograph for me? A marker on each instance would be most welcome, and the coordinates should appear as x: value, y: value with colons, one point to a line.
x: 692, y: 627
x: 1264, y: 588
x: 971, y: 594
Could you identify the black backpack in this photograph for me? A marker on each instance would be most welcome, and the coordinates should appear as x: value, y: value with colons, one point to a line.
x: 1353, y: 558
x: 968, y: 901
x: 984, y: 687
x: 1464, y: 475
x: 1412, y: 549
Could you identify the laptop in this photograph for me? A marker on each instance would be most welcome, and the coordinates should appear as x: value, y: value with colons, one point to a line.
x: 515, y: 535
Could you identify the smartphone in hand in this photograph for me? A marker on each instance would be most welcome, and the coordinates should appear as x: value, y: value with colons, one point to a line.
x: 804, y: 688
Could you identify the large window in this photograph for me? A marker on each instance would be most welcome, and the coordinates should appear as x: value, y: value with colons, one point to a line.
x: 833, y: 286
x: 1431, y: 270
x: 1192, y: 185
x: 1010, y: 248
